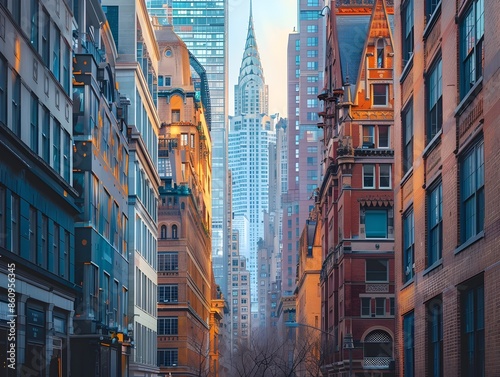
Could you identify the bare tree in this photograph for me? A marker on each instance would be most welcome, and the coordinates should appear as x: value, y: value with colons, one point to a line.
x: 268, y: 355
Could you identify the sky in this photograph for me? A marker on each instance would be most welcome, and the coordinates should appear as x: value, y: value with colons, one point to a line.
x: 273, y: 20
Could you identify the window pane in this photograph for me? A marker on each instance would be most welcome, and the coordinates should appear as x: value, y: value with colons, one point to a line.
x: 376, y: 223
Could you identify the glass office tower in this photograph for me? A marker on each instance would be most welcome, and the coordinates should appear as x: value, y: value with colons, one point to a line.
x: 203, y: 25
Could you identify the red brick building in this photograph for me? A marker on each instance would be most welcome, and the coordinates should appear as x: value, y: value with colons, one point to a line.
x: 356, y: 196
x: 446, y: 187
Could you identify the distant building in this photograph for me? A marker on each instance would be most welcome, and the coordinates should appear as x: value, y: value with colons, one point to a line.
x: 251, y: 133
x: 38, y: 204
x: 185, y: 278
x: 239, y: 299
x: 100, y: 343
x: 306, y: 61
x: 203, y: 26
x: 356, y: 195
x: 447, y: 75
x: 309, y: 339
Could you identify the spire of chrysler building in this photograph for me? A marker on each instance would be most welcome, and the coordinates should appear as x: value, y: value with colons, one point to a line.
x: 251, y: 76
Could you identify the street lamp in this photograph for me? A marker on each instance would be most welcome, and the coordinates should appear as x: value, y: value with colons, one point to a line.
x: 349, y: 345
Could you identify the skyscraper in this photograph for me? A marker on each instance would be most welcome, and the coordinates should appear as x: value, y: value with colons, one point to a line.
x: 305, y: 79
x: 251, y: 131
x: 202, y: 25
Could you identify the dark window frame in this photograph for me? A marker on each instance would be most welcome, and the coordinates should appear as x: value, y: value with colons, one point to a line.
x: 407, y: 130
x: 435, y: 223
x: 408, y: 246
x: 472, y: 201
x: 471, y: 28
x: 434, y: 92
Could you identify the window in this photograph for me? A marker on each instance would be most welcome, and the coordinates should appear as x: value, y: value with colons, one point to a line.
x: 408, y: 246
x: 407, y: 28
x: 471, y: 46
x: 408, y: 345
x: 184, y: 139
x: 472, y: 191
x: 34, y: 24
x: 380, y: 94
x: 33, y: 234
x: 377, y: 270
x: 46, y: 135
x: 56, y: 54
x: 407, y: 120
x: 168, y: 326
x: 168, y: 261
x: 66, y: 156
x: 312, y: 90
x: 66, y: 64
x: 383, y: 136
x: 368, y: 176
x: 45, y: 242
x: 168, y: 293
x: 174, y: 231
x: 312, y: 3
x: 15, y: 226
x: 167, y: 357
x: 56, y: 146
x: 365, y: 306
x: 34, y: 124
x: 368, y: 136
x: 385, y: 176
x: 375, y: 223
x: 435, y: 96
x: 435, y: 205
x: 176, y: 117
x: 430, y: 7
x: 435, y: 337
x: 163, y: 232
x: 472, y: 329
x: 16, y: 103
x: 3, y: 91
x: 380, y: 53
x: 312, y: 53
x: 312, y: 102
x: 312, y: 41
x: 56, y: 248
x: 16, y: 11
x: 312, y: 66
x: 45, y: 38
x: 380, y: 306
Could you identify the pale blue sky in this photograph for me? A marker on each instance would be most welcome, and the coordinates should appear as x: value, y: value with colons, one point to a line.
x: 274, y: 20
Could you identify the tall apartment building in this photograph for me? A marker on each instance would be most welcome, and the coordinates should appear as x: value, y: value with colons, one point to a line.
x: 203, y: 26
x: 446, y: 187
x: 269, y: 247
x: 38, y: 204
x: 309, y: 351
x: 239, y: 301
x: 100, y: 342
x: 137, y: 75
x: 251, y: 132
x: 185, y: 279
x: 306, y: 57
x: 356, y: 195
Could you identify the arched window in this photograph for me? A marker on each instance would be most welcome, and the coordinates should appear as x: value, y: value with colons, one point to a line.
x: 377, y: 349
x: 380, y: 53
x: 163, y: 232
x: 174, y: 231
